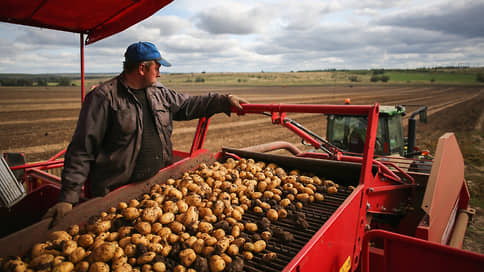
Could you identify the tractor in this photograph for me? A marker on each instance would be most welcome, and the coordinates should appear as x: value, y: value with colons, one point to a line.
x: 347, y: 132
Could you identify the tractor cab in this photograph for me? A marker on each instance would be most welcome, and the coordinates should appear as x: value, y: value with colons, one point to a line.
x: 348, y: 132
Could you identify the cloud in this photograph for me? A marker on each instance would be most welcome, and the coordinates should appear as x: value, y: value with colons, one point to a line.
x: 231, y: 19
x: 452, y: 18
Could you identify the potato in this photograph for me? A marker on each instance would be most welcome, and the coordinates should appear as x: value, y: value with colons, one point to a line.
x: 82, y: 266
x: 42, y: 261
x: 266, y: 235
x: 239, y: 242
x: 318, y: 196
x: 85, y: 240
x: 177, y: 227
x: 99, y: 227
x: 210, y: 218
x: 208, y: 250
x: 130, y: 213
x: 118, y: 253
x: 113, y: 236
x: 15, y: 265
x: 173, y: 238
x: 282, y: 213
x: 145, y: 258
x: 237, y: 214
x: 77, y: 255
x: 166, y: 250
x: 133, y: 203
x: 259, y: 246
x: 269, y: 257
x: 139, y: 239
x: 155, y: 247
x: 205, y: 227
x: 272, y: 215
x: 143, y: 227
x: 258, y: 210
x: 151, y: 214
x: 216, y: 263
x: 302, y: 196
x: 58, y: 260
x: 222, y: 245
x: 167, y: 218
x: 159, y: 267
x: 104, y: 252
x: 99, y: 267
x: 236, y: 231
x: 332, y: 190
x: 191, y: 216
x: 198, y: 246
x: 227, y: 259
x: 123, y: 267
x: 179, y: 268
x: 233, y: 250
x: 218, y: 234
x: 187, y: 257
x: 130, y: 250
x: 125, y: 231
x: 43, y: 248
x: 63, y: 267
x: 73, y: 230
x: 248, y: 255
x: 249, y: 246
x: 251, y: 227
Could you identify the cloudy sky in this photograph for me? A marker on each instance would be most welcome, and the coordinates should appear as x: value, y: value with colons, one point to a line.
x: 270, y: 35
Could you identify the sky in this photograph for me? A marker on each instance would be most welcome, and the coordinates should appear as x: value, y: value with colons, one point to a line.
x: 271, y: 36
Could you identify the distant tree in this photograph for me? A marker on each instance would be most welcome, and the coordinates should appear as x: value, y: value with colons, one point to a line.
x: 480, y: 77
x: 199, y: 79
x: 42, y: 82
x: 374, y: 78
x: 25, y: 82
x: 354, y: 79
x: 378, y: 71
x: 384, y: 78
x: 64, y: 82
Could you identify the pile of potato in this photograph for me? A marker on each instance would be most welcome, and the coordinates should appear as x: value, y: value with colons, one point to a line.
x: 193, y: 223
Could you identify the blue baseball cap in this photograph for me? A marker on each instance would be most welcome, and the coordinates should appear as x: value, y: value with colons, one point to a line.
x: 142, y: 51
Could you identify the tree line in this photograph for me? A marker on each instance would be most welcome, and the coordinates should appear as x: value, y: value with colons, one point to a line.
x: 35, y: 81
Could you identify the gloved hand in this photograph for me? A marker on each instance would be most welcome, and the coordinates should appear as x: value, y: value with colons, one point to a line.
x: 236, y: 101
x: 57, y: 212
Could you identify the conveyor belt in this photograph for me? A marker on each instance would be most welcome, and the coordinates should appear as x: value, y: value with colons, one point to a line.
x: 316, y: 215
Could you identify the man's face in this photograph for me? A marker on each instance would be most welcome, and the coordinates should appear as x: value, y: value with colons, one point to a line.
x: 151, y: 73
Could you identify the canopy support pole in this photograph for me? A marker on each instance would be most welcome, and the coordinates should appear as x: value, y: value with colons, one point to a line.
x: 82, y: 68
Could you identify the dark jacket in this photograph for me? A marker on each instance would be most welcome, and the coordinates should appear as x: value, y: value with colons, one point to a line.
x: 107, y: 138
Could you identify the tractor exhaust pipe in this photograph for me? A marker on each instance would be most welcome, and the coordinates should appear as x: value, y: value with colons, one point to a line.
x: 412, y: 129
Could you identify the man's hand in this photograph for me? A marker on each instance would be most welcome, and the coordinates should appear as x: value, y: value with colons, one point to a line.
x: 236, y: 101
x: 57, y: 212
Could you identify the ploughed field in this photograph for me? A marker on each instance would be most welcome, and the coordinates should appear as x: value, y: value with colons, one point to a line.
x: 40, y: 121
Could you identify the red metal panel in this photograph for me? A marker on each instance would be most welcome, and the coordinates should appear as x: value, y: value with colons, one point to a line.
x: 443, y: 188
x: 332, y: 246
x: 405, y: 253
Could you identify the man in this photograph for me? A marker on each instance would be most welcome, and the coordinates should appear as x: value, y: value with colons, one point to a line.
x: 124, y: 128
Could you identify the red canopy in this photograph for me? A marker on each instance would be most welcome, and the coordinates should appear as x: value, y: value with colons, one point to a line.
x: 96, y: 18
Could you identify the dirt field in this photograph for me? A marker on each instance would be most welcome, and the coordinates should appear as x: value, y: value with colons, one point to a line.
x: 40, y: 122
